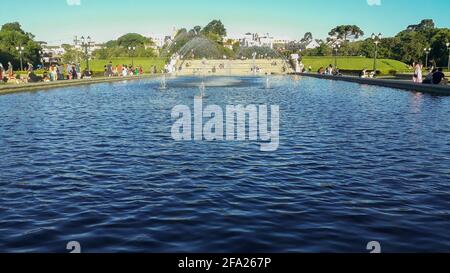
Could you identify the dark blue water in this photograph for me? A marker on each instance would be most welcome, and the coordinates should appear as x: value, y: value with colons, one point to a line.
x: 97, y: 164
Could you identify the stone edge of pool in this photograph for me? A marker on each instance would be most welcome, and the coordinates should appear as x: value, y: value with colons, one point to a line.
x: 9, y: 89
x: 397, y: 84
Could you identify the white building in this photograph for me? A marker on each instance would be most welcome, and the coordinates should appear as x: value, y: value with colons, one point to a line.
x: 313, y: 44
x: 256, y: 40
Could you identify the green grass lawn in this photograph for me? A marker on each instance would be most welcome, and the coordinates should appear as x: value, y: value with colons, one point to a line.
x: 147, y: 63
x: 355, y: 63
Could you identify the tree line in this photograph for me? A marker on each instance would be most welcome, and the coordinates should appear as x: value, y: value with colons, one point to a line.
x: 407, y: 46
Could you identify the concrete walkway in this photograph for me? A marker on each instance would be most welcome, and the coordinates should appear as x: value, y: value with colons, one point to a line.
x: 14, y: 88
x: 398, y: 84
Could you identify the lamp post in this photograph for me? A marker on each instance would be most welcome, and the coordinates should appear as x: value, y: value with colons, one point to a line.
x: 336, y: 49
x: 86, y: 44
x: 377, y: 40
x: 427, y: 53
x: 20, y: 49
x: 448, y: 48
x: 132, y: 49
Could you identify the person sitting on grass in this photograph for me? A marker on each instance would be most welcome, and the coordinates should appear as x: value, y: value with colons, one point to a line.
x: 33, y: 77
x: 439, y: 77
x: 363, y: 73
x: 45, y: 76
x: 87, y: 74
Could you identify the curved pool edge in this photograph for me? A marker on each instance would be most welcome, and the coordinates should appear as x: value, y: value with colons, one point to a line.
x: 397, y: 84
x: 9, y: 89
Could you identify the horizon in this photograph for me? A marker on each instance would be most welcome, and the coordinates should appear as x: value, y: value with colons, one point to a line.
x: 286, y: 19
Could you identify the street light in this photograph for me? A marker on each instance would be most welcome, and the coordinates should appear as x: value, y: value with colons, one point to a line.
x: 427, y: 53
x: 336, y: 49
x: 20, y: 49
x: 377, y: 40
x: 86, y: 44
x: 448, y: 48
x: 132, y: 49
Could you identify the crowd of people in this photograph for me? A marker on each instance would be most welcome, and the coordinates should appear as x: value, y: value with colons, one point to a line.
x: 329, y: 70
x: 72, y: 71
x: 54, y: 72
x: 123, y: 70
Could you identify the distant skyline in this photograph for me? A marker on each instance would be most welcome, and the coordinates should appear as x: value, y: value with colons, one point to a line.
x: 58, y: 21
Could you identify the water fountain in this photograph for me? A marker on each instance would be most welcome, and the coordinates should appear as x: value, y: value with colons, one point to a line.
x: 254, y: 63
x: 267, y: 81
x: 191, y: 51
x: 163, y: 85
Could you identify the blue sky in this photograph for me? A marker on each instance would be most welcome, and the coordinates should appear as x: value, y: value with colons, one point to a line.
x: 58, y: 21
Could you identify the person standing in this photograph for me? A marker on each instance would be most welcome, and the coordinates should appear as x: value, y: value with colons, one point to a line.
x: 418, y: 77
x: 69, y: 70
x: 10, y: 71
x: 73, y: 72
x: 109, y: 69
x: 78, y: 70
x: 120, y: 70
x: 1, y: 72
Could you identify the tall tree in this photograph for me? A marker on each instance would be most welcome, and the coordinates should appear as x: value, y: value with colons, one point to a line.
x: 345, y: 32
x: 11, y: 36
x: 307, y: 38
x: 133, y: 39
x: 215, y: 27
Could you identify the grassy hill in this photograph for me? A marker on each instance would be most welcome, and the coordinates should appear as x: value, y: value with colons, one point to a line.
x: 355, y: 63
x: 344, y: 63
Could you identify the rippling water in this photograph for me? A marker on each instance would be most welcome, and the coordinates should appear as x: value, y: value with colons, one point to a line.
x: 97, y: 164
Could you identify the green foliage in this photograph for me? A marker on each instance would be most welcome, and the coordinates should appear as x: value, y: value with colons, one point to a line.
x: 407, y: 46
x: 119, y: 48
x: 15, y: 26
x: 345, y: 32
x: 322, y: 50
x: 72, y: 56
x: 215, y: 28
x: 133, y: 39
x: 11, y: 36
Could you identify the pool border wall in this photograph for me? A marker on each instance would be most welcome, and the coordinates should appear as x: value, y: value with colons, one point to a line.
x: 16, y: 88
x: 398, y: 84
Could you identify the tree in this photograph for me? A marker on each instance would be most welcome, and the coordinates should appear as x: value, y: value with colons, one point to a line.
x: 197, y: 30
x: 307, y: 38
x: 133, y: 39
x: 11, y: 36
x: 423, y: 25
x: 15, y: 26
x: 215, y: 27
x: 439, y: 52
x: 344, y: 32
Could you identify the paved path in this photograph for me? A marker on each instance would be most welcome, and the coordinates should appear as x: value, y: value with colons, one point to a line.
x: 399, y: 84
